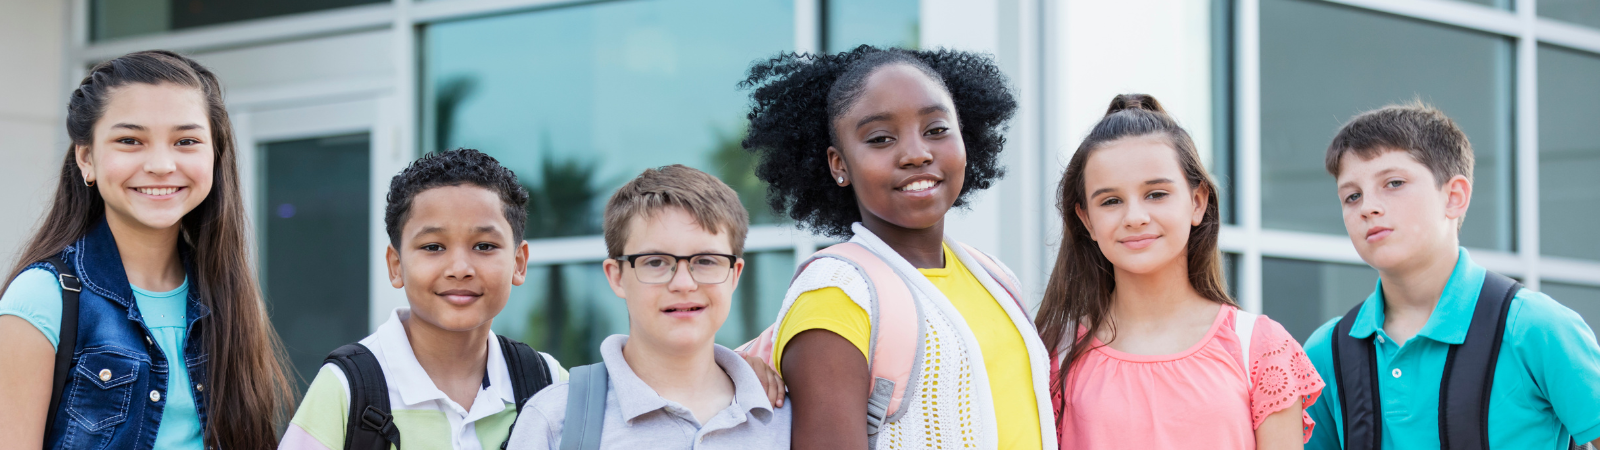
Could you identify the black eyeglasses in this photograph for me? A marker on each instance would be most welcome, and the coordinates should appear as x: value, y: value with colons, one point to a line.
x: 658, y: 268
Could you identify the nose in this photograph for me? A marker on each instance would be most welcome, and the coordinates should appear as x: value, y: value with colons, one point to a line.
x: 459, y: 267
x: 917, y: 154
x: 1137, y: 215
x: 1369, y: 208
x: 682, y: 280
x: 161, y: 161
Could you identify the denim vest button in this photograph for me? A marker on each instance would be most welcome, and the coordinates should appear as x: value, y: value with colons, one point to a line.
x: 147, y: 341
x: 155, y: 396
x: 199, y: 387
x: 105, y: 374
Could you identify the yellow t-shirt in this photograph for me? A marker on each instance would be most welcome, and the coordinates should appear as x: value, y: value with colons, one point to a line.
x: 1005, y: 356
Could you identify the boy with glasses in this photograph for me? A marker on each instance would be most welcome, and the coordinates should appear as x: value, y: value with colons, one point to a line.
x: 673, y: 236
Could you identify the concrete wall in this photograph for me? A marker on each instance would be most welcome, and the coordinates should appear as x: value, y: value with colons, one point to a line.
x: 32, y: 140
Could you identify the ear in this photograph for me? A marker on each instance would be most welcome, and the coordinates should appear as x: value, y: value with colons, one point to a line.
x: 613, y: 270
x: 395, y: 272
x: 837, y: 167
x: 521, y: 274
x: 1202, y: 200
x: 738, y: 268
x: 85, y: 164
x: 1083, y: 218
x: 1458, y: 195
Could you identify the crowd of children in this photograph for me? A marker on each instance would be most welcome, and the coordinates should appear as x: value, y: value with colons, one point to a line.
x: 133, y: 320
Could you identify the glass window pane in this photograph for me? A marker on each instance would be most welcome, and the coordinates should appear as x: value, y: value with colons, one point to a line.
x: 313, y: 227
x: 591, y: 95
x: 1302, y: 295
x: 883, y: 23
x: 110, y: 19
x: 1569, y: 152
x: 1582, y: 12
x: 1583, y: 299
x: 567, y: 309
x: 1323, y: 63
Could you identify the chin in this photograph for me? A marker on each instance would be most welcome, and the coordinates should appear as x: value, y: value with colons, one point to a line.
x: 455, y: 320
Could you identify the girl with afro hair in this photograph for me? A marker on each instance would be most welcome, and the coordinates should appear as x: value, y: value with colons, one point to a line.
x: 876, y: 146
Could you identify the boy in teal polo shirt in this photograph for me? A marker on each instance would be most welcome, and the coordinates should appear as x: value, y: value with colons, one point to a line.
x: 1404, y: 175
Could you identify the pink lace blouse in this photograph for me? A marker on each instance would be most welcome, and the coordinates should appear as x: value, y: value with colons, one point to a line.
x: 1198, y: 397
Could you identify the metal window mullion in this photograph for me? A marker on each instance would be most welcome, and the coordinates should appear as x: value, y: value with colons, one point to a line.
x: 1527, y: 148
x: 1449, y: 12
x: 1248, y: 138
x: 1568, y: 35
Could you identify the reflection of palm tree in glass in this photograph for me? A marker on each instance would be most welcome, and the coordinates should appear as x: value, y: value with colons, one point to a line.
x: 737, y: 167
x: 448, y: 97
x: 561, y: 202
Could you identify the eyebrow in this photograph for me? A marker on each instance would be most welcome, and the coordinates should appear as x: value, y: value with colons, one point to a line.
x: 1156, y: 181
x: 135, y: 127
x: 926, y: 110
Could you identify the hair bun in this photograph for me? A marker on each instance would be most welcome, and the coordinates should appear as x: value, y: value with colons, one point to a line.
x: 1134, y: 101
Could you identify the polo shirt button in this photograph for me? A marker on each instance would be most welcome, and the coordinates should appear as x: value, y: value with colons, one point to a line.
x: 1396, y: 373
x: 1380, y: 339
x: 155, y: 396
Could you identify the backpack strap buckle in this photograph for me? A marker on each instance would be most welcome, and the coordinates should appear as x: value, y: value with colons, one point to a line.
x: 375, y: 420
x: 72, y: 285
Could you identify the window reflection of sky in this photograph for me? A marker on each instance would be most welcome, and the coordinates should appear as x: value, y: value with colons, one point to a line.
x: 622, y: 85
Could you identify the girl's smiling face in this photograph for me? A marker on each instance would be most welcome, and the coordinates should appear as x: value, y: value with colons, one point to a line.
x: 900, y: 149
x: 152, y: 157
x: 1139, y: 207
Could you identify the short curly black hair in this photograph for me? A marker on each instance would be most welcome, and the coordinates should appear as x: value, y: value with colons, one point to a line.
x: 454, y: 168
x: 796, y: 97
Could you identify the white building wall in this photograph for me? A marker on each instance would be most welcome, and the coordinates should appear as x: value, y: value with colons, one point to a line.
x: 32, y: 140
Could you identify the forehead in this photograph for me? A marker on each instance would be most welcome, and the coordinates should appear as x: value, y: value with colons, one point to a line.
x: 155, y: 104
x: 897, y: 86
x: 1134, y: 159
x: 675, y: 230
x: 454, y: 208
x: 1353, y: 166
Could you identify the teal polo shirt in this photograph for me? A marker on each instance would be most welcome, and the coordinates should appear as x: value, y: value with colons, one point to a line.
x: 1546, y: 382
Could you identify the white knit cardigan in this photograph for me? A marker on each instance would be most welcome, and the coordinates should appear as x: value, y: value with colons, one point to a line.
x: 951, y: 406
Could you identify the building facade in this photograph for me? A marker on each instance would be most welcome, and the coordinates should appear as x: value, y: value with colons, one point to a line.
x: 332, y: 98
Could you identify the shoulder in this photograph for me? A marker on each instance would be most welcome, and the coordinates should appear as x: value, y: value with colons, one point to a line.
x: 324, y: 409
x: 540, y: 420
x: 1536, y: 319
x: 35, y: 296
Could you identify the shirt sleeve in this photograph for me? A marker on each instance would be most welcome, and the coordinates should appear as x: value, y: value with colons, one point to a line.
x: 35, y: 296
x: 825, y: 309
x: 1320, y: 351
x: 319, y: 423
x: 1563, y: 358
x: 1281, y: 374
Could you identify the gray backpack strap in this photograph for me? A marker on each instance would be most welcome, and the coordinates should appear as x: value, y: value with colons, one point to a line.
x: 586, y: 407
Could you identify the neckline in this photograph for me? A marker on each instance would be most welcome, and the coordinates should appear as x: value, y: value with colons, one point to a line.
x: 1222, y: 315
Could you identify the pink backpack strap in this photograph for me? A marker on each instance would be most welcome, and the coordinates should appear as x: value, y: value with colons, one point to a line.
x: 895, y: 350
x: 1000, y: 275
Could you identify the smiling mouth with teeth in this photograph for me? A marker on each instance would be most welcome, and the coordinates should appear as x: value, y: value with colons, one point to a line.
x: 919, y: 186
x: 157, y: 191
x: 689, y: 309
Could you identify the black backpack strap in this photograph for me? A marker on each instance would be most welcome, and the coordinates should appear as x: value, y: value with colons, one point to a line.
x: 1355, y: 369
x: 67, y: 343
x: 529, y: 375
x: 370, y: 425
x: 586, y: 407
x: 1469, y: 368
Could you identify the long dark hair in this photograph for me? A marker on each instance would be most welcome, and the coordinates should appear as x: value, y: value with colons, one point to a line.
x: 250, y: 391
x: 1080, y: 286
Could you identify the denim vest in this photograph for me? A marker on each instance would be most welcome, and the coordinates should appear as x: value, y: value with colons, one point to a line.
x: 118, y: 382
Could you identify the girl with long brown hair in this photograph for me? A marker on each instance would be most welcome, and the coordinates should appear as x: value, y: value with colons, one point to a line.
x: 1149, y: 351
x: 146, y: 236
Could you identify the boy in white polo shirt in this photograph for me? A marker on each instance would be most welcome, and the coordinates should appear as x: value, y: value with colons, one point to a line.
x: 674, y: 236
x: 434, y: 376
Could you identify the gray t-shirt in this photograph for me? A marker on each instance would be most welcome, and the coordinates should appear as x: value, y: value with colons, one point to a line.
x: 636, y: 417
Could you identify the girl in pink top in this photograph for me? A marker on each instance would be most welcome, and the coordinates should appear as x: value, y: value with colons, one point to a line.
x: 1150, y: 351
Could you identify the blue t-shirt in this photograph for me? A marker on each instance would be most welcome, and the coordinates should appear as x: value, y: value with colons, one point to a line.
x: 35, y: 296
x: 1546, y: 381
